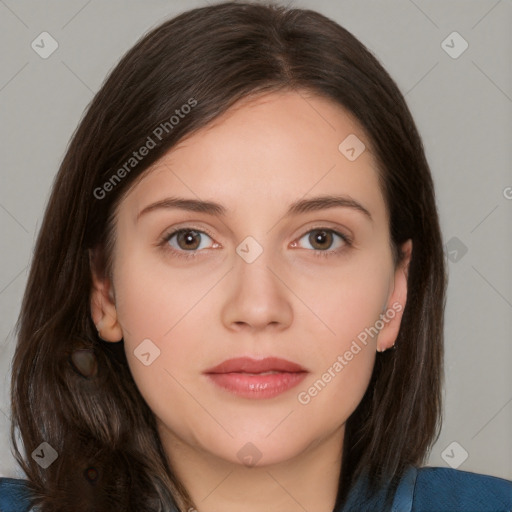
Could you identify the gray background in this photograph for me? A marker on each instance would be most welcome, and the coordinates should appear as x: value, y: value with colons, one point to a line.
x: 462, y: 107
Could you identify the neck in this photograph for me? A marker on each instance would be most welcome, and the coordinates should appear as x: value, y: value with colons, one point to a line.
x: 307, y: 482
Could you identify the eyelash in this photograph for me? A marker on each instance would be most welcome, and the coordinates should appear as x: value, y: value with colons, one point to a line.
x: 192, y: 254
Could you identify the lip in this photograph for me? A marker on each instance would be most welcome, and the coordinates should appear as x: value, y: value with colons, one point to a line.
x: 251, y: 365
x: 249, y: 378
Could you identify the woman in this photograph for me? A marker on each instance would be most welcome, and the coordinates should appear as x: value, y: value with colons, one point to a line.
x: 237, y: 293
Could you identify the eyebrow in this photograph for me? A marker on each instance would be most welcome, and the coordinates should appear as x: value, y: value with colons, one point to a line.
x: 296, y: 208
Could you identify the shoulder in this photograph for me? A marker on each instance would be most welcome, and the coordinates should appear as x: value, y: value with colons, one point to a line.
x: 445, y: 489
x: 14, y: 495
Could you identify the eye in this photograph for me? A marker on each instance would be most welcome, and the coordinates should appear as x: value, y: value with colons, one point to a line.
x: 325, y: 241
x: 189, y: 240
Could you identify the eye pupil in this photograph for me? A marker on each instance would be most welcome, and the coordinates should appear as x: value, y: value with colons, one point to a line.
x: 320, y: 237
x: 188, y: 238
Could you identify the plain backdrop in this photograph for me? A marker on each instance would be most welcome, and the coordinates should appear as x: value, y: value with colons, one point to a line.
x: 461, y: 102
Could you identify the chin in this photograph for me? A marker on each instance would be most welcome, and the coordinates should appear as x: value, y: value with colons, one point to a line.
x: 260, y: 451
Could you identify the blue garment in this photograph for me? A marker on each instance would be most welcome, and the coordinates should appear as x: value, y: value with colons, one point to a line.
x: 426, y: 489
x: 14, y: 495
x: 432, y: 489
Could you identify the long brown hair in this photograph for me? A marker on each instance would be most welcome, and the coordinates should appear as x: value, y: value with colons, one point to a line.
x: 109, y: 453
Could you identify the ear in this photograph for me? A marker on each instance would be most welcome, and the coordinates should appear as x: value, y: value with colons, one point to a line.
x: 103, y: 308
x: 392, y: 315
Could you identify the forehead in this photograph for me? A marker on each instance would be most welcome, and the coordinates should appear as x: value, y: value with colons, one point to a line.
x: 272, y: 150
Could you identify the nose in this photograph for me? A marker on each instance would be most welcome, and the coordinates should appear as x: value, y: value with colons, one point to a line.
x: 257, y: 297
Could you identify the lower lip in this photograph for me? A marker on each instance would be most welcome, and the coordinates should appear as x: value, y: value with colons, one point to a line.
x: 257, y: 386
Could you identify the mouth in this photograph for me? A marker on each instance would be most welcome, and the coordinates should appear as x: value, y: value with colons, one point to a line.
x: 256, y: 378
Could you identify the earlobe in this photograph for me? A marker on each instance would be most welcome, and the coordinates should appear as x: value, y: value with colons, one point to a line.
x: 396, y: 302
x: 103, y: 308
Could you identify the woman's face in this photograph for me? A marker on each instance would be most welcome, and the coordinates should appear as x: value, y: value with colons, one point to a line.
x: 268, y: 273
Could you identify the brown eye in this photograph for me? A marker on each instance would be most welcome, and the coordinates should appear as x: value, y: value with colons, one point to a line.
x: 320, y: 239
x: 187, y: 240
x: 324, y: 242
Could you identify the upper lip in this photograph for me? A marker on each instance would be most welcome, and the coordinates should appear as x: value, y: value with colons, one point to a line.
x: 250, y: 365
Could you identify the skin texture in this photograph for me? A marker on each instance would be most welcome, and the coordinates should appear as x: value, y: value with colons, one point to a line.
x: 292, y: 302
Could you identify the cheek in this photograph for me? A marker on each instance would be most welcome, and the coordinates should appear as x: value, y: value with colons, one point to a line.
x: 153, y: 300
x: 171, y: 309
x: 345, y: 300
